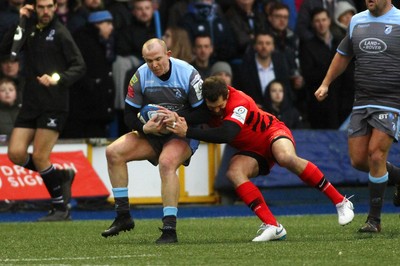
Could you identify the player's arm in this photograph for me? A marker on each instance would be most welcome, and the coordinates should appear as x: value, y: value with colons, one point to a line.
x: 337, y: 67
x: 195, y: 116
x: 225, y: 133
x: 131, y: 119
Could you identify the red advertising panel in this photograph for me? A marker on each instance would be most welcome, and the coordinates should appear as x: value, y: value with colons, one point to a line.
x: 18, y: 183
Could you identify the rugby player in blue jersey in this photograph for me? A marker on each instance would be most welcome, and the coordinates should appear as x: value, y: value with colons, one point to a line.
x: 373, y: 39
x: 175, y: 85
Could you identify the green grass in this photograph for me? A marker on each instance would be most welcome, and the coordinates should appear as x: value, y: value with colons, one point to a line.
x: 311, y: 240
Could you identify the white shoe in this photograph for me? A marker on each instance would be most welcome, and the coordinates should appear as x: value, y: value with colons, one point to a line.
x: 269, y: 232
x: 345, y: 211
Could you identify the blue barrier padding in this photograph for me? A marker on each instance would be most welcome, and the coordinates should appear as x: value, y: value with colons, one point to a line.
x: 328, y: 150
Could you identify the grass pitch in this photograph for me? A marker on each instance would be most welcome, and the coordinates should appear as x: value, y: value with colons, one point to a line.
x: 311, y: 240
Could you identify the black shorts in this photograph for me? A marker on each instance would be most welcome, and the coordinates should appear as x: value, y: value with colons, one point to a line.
x: 263, y: 165
x: 157, y: 143
x: 54, y: 120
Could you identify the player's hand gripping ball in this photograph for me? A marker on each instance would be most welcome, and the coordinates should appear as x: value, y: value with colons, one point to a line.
x: 148, y: 112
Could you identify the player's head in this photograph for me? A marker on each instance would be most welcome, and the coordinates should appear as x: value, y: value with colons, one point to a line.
x: 156, y: 55
x: 379, y: 7
x: 216, y: 93
x: 45, y: 10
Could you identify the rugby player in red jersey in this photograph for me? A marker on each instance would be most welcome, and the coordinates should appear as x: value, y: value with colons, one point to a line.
x: 262, y: 141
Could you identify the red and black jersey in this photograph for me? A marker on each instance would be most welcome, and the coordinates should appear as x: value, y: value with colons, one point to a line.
x: 253, y: 121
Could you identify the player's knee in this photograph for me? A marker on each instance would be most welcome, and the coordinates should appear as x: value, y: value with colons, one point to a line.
x: 377, y: 156
x: 112, y: 154
x: 17, y: 157
x: 236, y: 176
x: 287, y: 160
x: 167, y: 164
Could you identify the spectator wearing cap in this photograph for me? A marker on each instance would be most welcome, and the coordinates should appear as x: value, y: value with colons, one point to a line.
x: 223, y: 70
x: 11, y: 69
x: 92, y: 97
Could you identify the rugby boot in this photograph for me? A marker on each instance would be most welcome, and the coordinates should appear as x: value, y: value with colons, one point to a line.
x: 121, y: 223
x: 168, y: 235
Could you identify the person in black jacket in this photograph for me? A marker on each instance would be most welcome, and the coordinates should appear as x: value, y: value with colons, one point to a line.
x: 260, y: 67
x: 279, y: 105
x: 92, y: 97
x: 52, y: 63
x: 315, y: 57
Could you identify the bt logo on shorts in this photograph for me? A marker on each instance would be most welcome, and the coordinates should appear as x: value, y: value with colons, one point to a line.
x: 52, y: 122
x: 383, y: 116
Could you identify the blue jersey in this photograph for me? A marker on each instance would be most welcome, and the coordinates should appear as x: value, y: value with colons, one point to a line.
x: 375, y: 43
x: 181, y: 91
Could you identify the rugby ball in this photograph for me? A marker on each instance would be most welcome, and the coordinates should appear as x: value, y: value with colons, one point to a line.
x: 147, y: 112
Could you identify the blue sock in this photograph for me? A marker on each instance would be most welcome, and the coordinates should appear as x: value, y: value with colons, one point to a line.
x: 121, y: 201
x: 381, y: 179
x: 170, y: 211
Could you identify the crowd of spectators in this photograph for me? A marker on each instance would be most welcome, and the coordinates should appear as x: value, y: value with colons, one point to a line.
x: 286, y: 42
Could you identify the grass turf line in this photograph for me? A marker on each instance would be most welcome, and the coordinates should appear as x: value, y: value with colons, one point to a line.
x: 311, y: 240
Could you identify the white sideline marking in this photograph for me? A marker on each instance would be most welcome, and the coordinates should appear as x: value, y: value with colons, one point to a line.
x: 78, y: 258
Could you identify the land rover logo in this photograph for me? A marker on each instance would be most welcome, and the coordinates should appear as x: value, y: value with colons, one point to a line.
x: 372, y: 46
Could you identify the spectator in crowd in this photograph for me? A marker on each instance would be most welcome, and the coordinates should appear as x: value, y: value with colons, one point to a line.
x: 9, y: 106
x: 64, y: 11
x: 303, y: 26
x: 246, y: 20
x: 279, y: 106
x: 175, y: 85
x: 287, y: 42
x: 315, y: 57
x: 260, y: 67
x: 129, y: 42
x: 177, y: 40
x: 53, y: 64
x: 9, y: 17
x: 81, y: 13
x: 204, y: 18
x: 203, y: 51
x: 10, y: 68
x: 262, y: 141
x: 343, y: 14
x: 92, y: 97
x: 121, y: 10
x: 176, y: 11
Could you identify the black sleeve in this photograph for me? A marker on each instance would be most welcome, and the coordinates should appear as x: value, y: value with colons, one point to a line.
x: 222, y: 134
x: 130, y: 118
x: 198, y: 115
